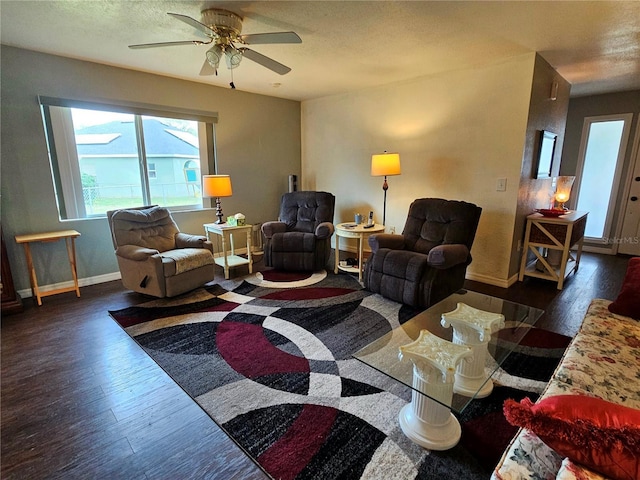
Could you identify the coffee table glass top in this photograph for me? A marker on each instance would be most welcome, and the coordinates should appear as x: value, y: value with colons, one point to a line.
x: 382, y: 354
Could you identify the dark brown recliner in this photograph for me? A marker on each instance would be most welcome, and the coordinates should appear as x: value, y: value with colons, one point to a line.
x: 301, y: 238
x: 429, y: 260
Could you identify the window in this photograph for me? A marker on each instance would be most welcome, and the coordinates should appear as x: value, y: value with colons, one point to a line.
x: 604, y: 141
x: 105, y: 159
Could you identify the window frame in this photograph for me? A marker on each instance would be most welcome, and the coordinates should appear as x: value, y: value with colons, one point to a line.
x: 63, y: 155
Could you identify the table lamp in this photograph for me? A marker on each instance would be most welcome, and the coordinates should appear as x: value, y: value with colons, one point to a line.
x: 385, y: 164
x: 563, y: 190
x: 217, y: 186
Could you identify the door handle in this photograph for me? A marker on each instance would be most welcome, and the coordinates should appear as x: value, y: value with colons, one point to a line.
x: 633, y: 199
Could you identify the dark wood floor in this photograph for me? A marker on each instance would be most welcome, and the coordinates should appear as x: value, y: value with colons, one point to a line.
x: 80, y: 399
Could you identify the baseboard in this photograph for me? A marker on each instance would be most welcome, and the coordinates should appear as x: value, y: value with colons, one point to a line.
x: 497, y: 282
x: 82, y: 282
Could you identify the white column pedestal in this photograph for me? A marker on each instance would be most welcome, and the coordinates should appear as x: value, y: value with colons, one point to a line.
x: 425, y: 421
x: 472, y: 328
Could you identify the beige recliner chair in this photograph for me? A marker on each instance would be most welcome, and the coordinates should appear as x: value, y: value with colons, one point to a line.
x: 154, y: 257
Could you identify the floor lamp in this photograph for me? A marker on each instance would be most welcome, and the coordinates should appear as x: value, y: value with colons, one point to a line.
x: 216, y: 186
x: 385, y: 164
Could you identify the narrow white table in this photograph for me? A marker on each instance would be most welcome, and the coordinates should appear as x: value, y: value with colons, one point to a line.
x: 351, y: 230
x: 228, y: 260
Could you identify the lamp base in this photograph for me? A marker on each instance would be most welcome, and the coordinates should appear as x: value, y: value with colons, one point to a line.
x: 219, y: 212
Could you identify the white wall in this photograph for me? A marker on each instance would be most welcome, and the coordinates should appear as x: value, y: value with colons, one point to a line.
x: 456, y: 133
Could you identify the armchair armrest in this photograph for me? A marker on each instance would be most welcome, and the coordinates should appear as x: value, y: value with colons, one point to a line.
x: 324, y: 230
x: 271, y: 228
x: 136, y: 253
x: 447, y: 256
x: 185, y: 240
x: 386, y: 240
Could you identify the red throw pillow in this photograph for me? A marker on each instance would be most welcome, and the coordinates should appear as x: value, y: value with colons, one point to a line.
x: 600, y: 435
x: 628, y: 301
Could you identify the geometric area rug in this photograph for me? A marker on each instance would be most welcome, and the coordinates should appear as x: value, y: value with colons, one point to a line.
x: 269, y: 358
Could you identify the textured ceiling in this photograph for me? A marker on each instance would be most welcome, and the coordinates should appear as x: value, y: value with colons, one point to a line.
x: 345, y: 45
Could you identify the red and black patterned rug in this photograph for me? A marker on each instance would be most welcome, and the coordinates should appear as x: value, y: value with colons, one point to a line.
x: 268, y: 357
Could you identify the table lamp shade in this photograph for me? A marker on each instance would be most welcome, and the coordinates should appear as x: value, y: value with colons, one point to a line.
x: 563, y: 189
x: 384, y: 164
x: 216, y: 186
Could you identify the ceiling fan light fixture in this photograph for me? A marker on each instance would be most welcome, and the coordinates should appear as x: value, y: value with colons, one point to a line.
x: 233, y: 57
x: 214, y: 54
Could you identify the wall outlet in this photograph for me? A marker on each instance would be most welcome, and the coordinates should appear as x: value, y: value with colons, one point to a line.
x: 392, y: 230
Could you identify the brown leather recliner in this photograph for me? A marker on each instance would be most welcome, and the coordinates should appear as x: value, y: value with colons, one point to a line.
x: 154, y: 257
x: 429, y: 260
x: 301, y: 238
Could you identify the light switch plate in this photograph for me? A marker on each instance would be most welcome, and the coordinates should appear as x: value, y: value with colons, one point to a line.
x: 501, y: 185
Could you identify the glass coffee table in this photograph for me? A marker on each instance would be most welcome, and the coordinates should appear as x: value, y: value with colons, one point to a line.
x: 447, y: 356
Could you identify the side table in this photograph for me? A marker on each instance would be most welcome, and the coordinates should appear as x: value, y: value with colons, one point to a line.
x: 553, y: 233
x: 69, y: 237
x: 225, y: 260
x: 351, y: 230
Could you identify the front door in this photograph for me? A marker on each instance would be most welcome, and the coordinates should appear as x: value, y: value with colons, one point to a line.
x: 630, y: 234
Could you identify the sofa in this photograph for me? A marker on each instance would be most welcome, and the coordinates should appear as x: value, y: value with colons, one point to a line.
x: 602, y: 365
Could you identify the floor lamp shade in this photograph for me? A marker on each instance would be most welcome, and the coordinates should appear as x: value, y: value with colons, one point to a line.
x: 385, y: 164
x: 217, y: 186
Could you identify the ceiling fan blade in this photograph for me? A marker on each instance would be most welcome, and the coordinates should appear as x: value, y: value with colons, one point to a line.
x: 265, y: 38
x: 265, y: 61
x: 201, y: 27
x: 167, y: 44
x: 207, y: 69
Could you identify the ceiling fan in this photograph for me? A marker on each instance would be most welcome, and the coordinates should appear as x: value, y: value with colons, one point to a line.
x: 224, y: 31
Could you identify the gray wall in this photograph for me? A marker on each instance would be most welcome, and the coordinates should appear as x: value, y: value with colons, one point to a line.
x: 258, y: 144
x: 544, y: 114
x: 591, y: 106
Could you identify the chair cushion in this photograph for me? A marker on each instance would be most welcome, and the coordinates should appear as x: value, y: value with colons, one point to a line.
x: 293, y: 242
x: 182, y: 260
x: 304, y: 211
x: 150, y: 228
x: 435, y: 221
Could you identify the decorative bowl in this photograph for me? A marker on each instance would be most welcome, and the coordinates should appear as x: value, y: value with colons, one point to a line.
x: 551, y: 212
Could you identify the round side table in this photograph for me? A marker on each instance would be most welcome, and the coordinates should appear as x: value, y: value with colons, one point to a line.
x: 351, y: 230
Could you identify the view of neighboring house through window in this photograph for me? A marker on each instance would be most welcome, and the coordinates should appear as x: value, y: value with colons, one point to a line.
x: 108, y: 160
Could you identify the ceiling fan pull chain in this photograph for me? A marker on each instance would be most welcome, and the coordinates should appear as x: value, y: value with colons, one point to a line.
x: 232, y: 85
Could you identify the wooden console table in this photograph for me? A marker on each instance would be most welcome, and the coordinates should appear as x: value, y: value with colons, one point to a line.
x: 553, y: 233
x: 69, y: 237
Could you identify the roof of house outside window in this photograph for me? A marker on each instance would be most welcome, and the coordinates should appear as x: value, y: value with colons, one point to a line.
x: 118, y: 138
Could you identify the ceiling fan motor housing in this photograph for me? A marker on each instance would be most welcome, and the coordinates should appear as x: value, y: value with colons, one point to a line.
x: 224, y: 22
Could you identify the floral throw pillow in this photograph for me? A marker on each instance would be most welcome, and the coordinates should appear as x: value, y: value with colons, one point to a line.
x: 601, y: 435
x: 628, y: 301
